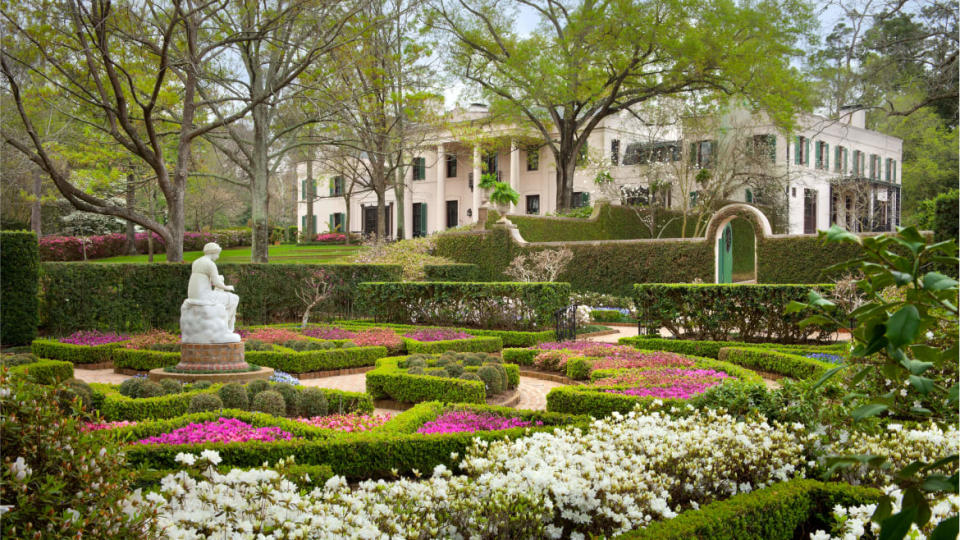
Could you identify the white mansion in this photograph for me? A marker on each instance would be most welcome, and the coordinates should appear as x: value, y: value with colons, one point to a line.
x: 833, y: 171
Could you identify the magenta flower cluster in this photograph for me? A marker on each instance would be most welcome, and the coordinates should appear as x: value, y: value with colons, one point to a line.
x: 328, y: 332
x: 347, y: 422
x: 98, y: 426
x: 458, y: 421
x: 577, y: 346
x: 220, y: 430
x: 437, y: 334
x: 330, y: 237
x: 92, y: 337
x: 664, y: 383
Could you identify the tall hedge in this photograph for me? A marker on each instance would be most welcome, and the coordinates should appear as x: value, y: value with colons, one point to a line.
x: 132, y: 297
x: 800, y: 259
x: 19, y: 267
x: 511, y: 306
x: 946, y: 219
x: 609, y: 223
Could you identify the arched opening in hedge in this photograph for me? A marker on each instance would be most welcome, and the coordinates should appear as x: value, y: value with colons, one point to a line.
x: 735, y: 253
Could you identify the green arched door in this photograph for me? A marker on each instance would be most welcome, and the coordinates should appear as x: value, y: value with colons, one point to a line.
x: 725, y: 255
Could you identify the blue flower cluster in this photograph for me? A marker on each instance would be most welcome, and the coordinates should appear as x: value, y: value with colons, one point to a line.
x: 823, y: 357
x: 283, y: 377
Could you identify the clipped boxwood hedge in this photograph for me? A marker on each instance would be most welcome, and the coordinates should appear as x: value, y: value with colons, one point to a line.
x: 782, y: 511
x: 388, y: 380
x: 19, y: 266
x: 607, y: 222
x: 753, y: 313
x: 521, y: 357
x: 44, y: 371
x: 115, y: 406
x: 143, y: 359
x: 790, y: 365
x: 476, y: 344
x: 711, y: 349
x: 452, y: 272
x: 503, y: 305
x: 510, y: 338
x: 322, y: 360
x: 75, y: 354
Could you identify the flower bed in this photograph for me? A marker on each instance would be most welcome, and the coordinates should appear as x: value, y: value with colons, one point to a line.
x: 663, y: 383
x: 99, y: 426
x: 437, y: 334
x: 348, y: 423
x: 224, y: 430
x: 92, y: 338
x: 457, y: 421
x: 452, y: 377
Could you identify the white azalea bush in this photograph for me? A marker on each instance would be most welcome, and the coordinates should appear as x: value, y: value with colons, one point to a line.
x: 622, y: 473
x: 854, y: 522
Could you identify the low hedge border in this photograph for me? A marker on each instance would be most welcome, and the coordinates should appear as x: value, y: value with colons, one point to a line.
x: 781, y: 363
x: 597, y: 403
x: 323, y: 360
x: 711, y: 349
x: 75, y: 354
x: 512, y: 370
x: 476, y: 344
x: 452, y: 272
x: 115, y: 406
x: 391, y: 381
x: 782, y: 511
x: 44, y: 371
x: 521, y: 357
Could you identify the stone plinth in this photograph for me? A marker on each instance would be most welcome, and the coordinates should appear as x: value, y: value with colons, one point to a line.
x: 216, y: 378
x: 214, y: 362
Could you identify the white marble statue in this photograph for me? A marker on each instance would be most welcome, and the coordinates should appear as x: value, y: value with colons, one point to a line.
x: 210, y: 310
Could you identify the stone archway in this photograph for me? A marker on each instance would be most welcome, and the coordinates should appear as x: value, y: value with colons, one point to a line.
x: 718, y: 232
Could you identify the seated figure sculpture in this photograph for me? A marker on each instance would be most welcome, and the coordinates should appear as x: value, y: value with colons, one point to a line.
x: 209, y: 312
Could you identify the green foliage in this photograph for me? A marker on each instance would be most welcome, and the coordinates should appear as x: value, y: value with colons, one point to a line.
x: 133, y: 297
x: 609, y: 315
x: 782, y: 511
x: 772, y: 361
x: 171, y: 386
x: 505, y: 305
x: 255, y: 387
x: 131, y: 387
x: 44, y: 371
x: 321, y: 360
x: 270, y: 402
x: 75, y: 354
x: 947, y: 216
x: 50, y: 446
x: 204, y: 402
x: 491, y: 379
x: 611, y: 223
x: 234, y: 396
x: 711, y: 349
x: 19, y: 266
x: 725, y: 311
x: 291, y: 397
x: 890, y: 339
x: 452, y: 272
x: 578, y: 369
x: 313, y: 402
x: 523, y: 357
x: 390, y: 381
x: 475, y: 344
x: 115, y: 406
x: 142, y: 359
x: 744, y: 249
x: 151, y: 389
x: 800, y: 259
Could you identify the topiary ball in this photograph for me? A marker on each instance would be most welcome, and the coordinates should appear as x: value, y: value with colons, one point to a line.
x: 234, y: 396
x: 290, y: 396
x: 454, y: 370
x: 416, y: 370
x: 205, y: 402
x: 491, y: 379
x: 151, y: 389
x: 131, y: 386
x: 491, y: 359
x: 348, y: 345
x: 75, y: 389
x: 472, y: 361
x: 313, y: 402
x: 468, y: 376
x: 323, y: 345
x: 270, y: 402
x: 171, y: 386
x: 202, y: 385
x: 255, y: 387
x: 437, y: 372
x: 503, y: 373
x: 416, y: 361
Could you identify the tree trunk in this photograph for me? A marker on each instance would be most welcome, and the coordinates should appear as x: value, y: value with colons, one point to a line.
x: 173, y: 235
x: 564, y: 186
x: 259, y: 184
x: 131, y: 230
x: 309, y: 230
x: 36, y: 221
x: 346, y: 221
x: 381, y: 217
x: 401, y: 218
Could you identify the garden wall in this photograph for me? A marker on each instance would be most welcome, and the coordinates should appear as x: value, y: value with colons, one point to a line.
x: 132, y: 297
x: 19, y: 266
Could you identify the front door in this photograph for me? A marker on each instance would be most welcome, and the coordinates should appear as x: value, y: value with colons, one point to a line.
x: 370, y: 220
x: 452, y: 214
x: 725, y: 255
x: 809, y: 211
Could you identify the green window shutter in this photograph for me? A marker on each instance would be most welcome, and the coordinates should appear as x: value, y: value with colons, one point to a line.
x: 331, y: 225
x: 826, y: 157
x: 749, y: 196
x: 893, y: 175
x: 303, y: 190
x: 586, y: 199
x: 837, y: 153
x: 423, y: 218
x: 816, y: 163
x: 314, y: 224
x: 796, y: 151
x: 806, y: 154
x: 303, y: 223
x: 846, y: 160
x: 772, y: 146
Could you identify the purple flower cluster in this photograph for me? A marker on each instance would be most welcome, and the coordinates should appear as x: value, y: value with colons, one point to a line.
x: 823, y: 357
x: 664, y: 383
x: 220, y: 430
x: 457, y: 421
x: 436, y: 334
x: 328, y: 332
x: 92, y: 337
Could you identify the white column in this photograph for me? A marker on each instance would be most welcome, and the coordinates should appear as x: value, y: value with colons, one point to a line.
x: 439, y: 210
x: 475, y: 199
x: 514, y: 171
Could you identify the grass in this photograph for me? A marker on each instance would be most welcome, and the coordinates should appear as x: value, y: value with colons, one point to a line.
x: 285, y: 253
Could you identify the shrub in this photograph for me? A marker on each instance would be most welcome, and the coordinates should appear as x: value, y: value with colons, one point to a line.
x: 75, y: 354
x: 270, y: 402
x: 719, y: 312
x: 201, y: 385
x: 255, y: 387
x: 800, y: 259
x: 76, y: 388
x: 472, y: 361
x: 469, y: 376
x: 454, y: 370
x: 19, y: 266
x: 291, y: 397
x: 416, y: 361
x: 491, y: 379
x: 46, y: 491
x: 522, y: 357
x: 503, y: 373
x: 436, y: 372
x: 313, y: 402
x: 488, y: 305
x: 11, y: 360
x: 131, y: 387
x: 411, y: 254
x: 171, y: 386
x: 114, y: 406
x: 541, y: 265
x: 151, y: 389
x: 578, y: 368
x: 782, y: 363
x: 475, y: 344
x: 711, y: 349
x: 452, y: 272
x: 256, y: 345
x: 389, y: 381
x: 44, y: 371
x: 143, y: 360
x: 204, y: 402
x: 417, y: 370
x: 234, y: 396
x: 304, y: 362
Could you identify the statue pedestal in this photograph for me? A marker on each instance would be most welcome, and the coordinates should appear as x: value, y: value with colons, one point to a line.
x: 214, y: 362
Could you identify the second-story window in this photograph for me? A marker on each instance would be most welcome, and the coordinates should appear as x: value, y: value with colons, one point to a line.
x: 419, y: 168
x: 336, y: 186
x: 891, y: 174
x: 822, y: 155
x: 701, y: 154
x: 801, y: 150
x: 451, y: 165
x: 533, y: 158
x: 764, y: 146
x: 615, y: 152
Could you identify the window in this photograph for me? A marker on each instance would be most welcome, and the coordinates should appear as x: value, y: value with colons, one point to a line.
x: 419, y: 220
x: 303, y: 224
x: 822, y: 155
x: 336, y: 186
x: 859, y: 168
x: 801, y: 150
x: 840, y: 159
x: 765, y: 145
x: 874, y: 162
x: 419, y: 168
x: 490, y: 163
x: 701, y: 154
x: 615, y: 152
x: 451, y: 165
x: 337, y: 222
x: 641, y: 154
x: 533, y: 158
x: 580, y: 199
x: 533, y: 205
x: 891, y: 174
x: 304, y: 187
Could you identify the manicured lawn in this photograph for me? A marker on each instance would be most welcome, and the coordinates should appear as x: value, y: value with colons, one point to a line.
x: 287, y: 253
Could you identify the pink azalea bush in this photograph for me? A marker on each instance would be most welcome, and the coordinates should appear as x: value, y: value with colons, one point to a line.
x: 273, y: 335
x: 630, y: 358
x: 347, y: 422
x: 664, y: 383
x: 553, y: 360
x: 457, y: 421
x: 577, y: 346
x: 92, y: 337
x: 328, y: 332
x: 152, y: 337
x: 98, y: 426
x: 220, y: 430
x: 436, y: 334
x: 378, y: 336
x: 330, y: 237
x: 71, y: 248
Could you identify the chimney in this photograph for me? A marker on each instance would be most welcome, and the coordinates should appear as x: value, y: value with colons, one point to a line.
x: 854, y: 115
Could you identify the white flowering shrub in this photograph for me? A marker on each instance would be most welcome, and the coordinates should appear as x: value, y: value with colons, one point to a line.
x: 621, y: 474
x: 901, y: 446
x: 854, y: 522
